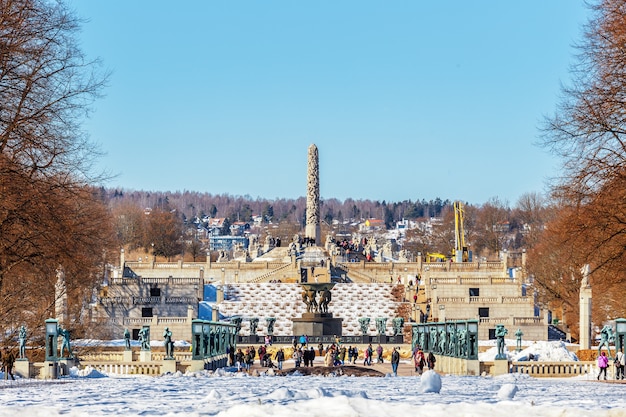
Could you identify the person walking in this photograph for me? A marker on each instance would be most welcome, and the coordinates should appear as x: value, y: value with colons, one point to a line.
x: 620, y: 361
x: 395, y: 361
x: 329, y: 358
x: 8, y: 359
x: 379, y: 352
x: 239, y: 360
x: 419, y: 361
x: 297, y: 357
x: 431, y: 360
x: 603, y: 364
x: 342, y: 355
x: 280, y: 358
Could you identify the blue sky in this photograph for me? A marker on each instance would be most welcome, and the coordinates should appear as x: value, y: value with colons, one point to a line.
x: 404, y: 99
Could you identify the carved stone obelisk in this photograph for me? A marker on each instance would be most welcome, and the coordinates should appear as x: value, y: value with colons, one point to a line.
x: 312, y: 230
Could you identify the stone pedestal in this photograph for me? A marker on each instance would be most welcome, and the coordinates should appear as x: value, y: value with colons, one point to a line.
x: 50, y: 370
x: 196, y: 365
x: 168, y: 365
x: 472, y: 367
x: 500, y: 367
x: 317, y: 324
x: 22, y: 368
x: 128, y: 356
x: 65, y: 364
x: 145, y: 356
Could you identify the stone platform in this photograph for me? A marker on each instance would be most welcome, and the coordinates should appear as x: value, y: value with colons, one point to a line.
x: 317, y: 324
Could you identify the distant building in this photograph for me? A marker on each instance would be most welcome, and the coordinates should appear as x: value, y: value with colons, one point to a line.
x: 371, y: 225
x: 227, y: 243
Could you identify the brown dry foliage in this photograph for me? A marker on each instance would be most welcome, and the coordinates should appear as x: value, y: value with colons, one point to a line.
x: 588, y: 132
x: 49, y: 214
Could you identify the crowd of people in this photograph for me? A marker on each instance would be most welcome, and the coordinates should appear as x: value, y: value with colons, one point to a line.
x: 334, y: 354
x: 421, y: 361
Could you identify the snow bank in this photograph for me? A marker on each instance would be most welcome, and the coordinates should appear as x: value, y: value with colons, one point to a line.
x: 430, y: 382
x: 87, y: 372
x: 540, y: 351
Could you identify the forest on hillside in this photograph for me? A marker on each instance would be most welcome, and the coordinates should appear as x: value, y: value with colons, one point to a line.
x: 192, y: 204
x: 489, y: 228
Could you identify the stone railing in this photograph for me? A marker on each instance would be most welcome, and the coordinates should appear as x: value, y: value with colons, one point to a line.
x: 471, y: 280
x: 160, y: 281
x: 118, y: 356
x: 194, y: 265
x: 123, y: 281
x: 445, y: 300
x: 511, y: 320
x: 146, y: 300
x: 515, y: 300
x: 125, y: 368
x: 154, y: 321
x: 180, y: 300
x: 483, y: 299
x: 114, y: 300
x: 554, y: 369
x: 502, y: 300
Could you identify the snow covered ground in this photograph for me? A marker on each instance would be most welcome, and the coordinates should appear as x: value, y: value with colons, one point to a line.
x: 224, y: 393
x: 236, y: 394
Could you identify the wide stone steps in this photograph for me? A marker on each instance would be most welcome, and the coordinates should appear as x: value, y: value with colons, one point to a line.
x: 283, y: 302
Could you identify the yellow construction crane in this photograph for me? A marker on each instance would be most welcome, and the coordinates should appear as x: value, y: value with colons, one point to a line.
x: 461, y: 253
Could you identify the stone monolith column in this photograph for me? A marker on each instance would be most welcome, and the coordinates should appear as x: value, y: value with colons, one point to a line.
x: 312, y: 230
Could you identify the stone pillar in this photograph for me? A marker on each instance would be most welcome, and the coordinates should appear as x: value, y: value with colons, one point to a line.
x: 122, y: 260
x: 60, y: 296
x: 313, y: 230
x: 585, y: 310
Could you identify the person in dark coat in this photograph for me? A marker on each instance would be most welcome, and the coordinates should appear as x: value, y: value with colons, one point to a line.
x: 280, y: 358
x: 7, y: 363
x: 431, y: 360
x: 305, y: 357
x: 395, y: 360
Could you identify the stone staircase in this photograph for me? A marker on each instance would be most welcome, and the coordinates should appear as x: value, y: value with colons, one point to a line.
x: 283, y: 302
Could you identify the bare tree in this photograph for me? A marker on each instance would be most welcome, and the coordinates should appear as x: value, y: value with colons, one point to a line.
x: 49, y: 214
x: 491, y: 227
x: 164, y: 234
x: 588, y: 131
